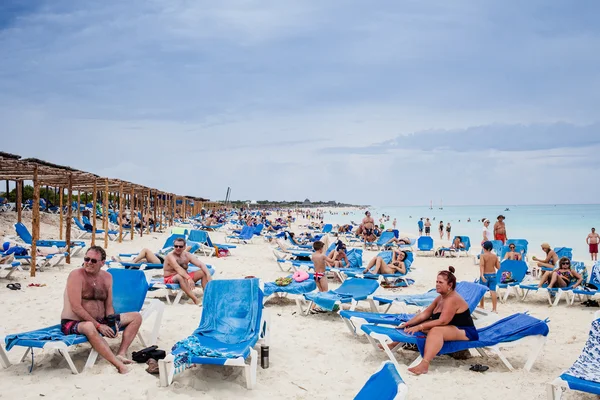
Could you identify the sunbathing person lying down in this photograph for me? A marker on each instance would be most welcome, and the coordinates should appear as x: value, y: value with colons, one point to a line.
x: 395, y: 266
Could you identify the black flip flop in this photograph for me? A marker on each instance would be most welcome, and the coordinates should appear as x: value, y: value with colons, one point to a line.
x: 13, y: 286
x: 479, y: 368
x: 17, y: 285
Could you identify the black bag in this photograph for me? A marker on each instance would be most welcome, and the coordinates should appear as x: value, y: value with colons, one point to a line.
x: 149, y: 352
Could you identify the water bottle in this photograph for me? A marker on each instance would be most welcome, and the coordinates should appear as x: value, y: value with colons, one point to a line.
x: 264, y: 356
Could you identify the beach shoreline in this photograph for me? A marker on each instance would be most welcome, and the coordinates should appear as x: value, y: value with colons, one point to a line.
x: 312, y: 357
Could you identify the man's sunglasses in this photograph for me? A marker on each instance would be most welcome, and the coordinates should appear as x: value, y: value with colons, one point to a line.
x: 90, y: 260
x: 178, y: 246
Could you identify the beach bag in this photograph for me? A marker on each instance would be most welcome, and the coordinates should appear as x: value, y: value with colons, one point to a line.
x: 149, y: 352
x: 88, y: 227
x: 223, y: 253
x: 507, y: 277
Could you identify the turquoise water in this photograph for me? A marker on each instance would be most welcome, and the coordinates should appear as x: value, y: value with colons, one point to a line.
x: 559, y: 225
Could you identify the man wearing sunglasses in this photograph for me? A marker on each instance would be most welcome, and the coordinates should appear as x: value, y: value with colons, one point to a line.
x: 176, y: 269
x: 88, y: 302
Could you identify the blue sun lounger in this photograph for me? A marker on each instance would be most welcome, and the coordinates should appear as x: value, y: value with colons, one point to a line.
x: 385, y: 384
x: 555, y: 294
x: 586, y: 290
x: 508, y: 331
x: 173, y: 289
x: 112, y: 235
x: 584, y: 374
x: 294, y: 288
x: 232, y: 323
x: 351, y: 291
x: 129, y: 295
x: 517, y: 271
x: 205, y: 245
x: 425, y: 244
x: 245, y: 235
x: 398, y: 279
x: 24, y: 234
x: 471, y: 292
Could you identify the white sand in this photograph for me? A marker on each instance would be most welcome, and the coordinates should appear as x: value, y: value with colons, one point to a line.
x: 312, y: 357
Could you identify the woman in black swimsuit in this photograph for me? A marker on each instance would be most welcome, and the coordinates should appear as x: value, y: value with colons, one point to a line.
x: 447, y: 318
x: 441, y: 229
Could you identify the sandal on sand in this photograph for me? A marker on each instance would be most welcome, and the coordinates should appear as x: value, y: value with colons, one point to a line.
x: 479, y: 368
x: 152, y: 366
x: 14, y: 286
x: 317, y: 311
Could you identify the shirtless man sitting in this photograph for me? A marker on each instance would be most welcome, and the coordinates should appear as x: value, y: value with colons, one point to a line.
x: 87, y: 303
x: 175, y: 270
x: 395, y: 266
x: 550, y: 260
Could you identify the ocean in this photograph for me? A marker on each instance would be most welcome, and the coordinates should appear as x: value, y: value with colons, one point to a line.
x: 561, y: 225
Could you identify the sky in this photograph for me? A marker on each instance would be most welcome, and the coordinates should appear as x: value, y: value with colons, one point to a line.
x: 393, y: 102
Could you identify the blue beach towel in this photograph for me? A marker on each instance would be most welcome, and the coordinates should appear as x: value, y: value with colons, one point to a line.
x: 231, y: 315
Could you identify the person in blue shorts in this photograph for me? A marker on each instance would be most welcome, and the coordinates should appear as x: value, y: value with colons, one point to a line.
x: 489, y: 263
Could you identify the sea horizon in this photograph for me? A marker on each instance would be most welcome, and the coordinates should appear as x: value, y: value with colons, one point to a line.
x: 560, y: 225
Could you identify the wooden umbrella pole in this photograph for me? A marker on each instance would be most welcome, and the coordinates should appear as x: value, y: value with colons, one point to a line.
x: 162, y: 203
x: 60, y: 212
x: 78, y: 202
x: 69, y: 217
x: 19, y: 200
x: 120, y: 212
x: 141, y: 214
x: 105, y: 213
x: 35, y: 220
x: 131, y: 209
x: 93, y: 213
x: 154, y: 209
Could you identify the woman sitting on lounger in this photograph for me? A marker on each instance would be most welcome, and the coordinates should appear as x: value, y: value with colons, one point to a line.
x: 448, y: 318
x: 561, y: 277
x: 511, y: 254
x: 394, y: 267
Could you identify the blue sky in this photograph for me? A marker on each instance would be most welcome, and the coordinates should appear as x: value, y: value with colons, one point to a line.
x: 386, y: 103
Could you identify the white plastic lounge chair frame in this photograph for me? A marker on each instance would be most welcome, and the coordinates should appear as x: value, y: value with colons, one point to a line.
x: 535, y: 343
x: 167, y: 367
x: 150, y: 306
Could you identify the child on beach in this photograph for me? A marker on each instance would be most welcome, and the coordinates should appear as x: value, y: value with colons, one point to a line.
x: 320, y: 260
x: 489, y: 264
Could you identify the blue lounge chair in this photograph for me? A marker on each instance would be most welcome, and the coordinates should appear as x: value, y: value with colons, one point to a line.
x: 205, y: 244
x: 564, y: 252
x: 11, y: 268
x: 425, y: 244
x: 385, y: 384
x: 173, y: 289
x: 464, y: 240
x: 294, y: 288
x: 583, y: 375
x: 351, y: 291
x: 555, y: 294
x: 25, y: 236
x: 245, y: 235
x: 587, y: 288
x: 517, y: 270
x: 398, y: 278
x: 505, y: 332
x: 521, y: 244
x: 471, y: 292
x: 232, y: 323
x: 383, y: 240
x: 84, y: 232
x: 129, y: 295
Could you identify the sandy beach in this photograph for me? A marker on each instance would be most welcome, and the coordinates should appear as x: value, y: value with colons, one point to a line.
x: 311, y: 357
